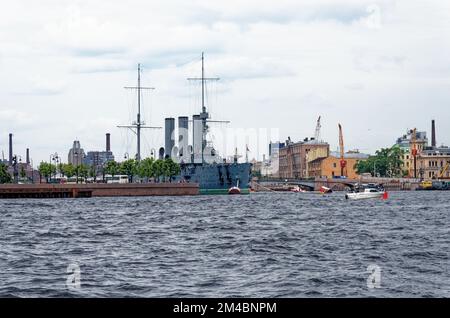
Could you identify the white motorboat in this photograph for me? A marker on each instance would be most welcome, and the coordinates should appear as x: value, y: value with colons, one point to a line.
x: 370, y: 191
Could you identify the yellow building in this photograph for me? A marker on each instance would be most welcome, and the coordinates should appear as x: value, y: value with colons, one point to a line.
x: 330, y: 167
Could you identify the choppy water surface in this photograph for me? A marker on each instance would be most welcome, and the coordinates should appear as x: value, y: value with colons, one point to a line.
x: 259, y: 245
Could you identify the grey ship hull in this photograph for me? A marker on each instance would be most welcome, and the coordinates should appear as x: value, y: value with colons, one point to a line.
x: 217, y: 178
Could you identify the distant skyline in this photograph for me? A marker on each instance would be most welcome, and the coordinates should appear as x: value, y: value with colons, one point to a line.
x: 377, y: 67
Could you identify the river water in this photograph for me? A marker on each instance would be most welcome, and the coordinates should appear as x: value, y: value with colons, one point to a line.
x: 258, y: 245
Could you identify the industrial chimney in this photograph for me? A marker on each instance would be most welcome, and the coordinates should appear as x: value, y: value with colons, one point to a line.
x: 108, y: 142
x: 11, y: 149
x: 433, y: 134
x: 28, y: 156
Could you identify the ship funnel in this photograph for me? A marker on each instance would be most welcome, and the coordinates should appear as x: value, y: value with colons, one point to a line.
x: 169, y: 136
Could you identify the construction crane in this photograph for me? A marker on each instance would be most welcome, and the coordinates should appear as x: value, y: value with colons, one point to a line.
x: 413, y: 149
x: 343, y: 162
x: 317, y: 134
x: 444, y: 170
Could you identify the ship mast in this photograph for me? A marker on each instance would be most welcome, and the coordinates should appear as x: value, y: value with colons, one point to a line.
x: 204, y: 115
x: 138, y: 124
x: 203, y: 84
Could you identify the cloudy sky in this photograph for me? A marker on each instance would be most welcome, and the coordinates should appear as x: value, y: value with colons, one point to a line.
x: 377, y: 67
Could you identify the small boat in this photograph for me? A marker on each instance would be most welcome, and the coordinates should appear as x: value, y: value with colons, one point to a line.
x: 235, y: 189
x: 325, y: 190
x: 295, y: 189
x: 369, y: 191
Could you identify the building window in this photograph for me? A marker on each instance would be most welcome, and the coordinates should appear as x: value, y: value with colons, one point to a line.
x: 334, y: 166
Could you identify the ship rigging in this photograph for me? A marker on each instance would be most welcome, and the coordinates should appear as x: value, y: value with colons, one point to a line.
x: 139, y: 124
x: 204, y: 115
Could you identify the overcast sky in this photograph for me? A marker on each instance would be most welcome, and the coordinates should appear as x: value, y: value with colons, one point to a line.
x: 377, y: 67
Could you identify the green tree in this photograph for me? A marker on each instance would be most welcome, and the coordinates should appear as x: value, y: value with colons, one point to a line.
x: 112, y: 168
x: 387, y: 162
x: 145, y: 168
x: 46, y: 170
x: 68, y: 170
x: 61, y: 169
x: 171, y: 168
x: 93, y: 172
x: 82, y: 171
x: 158, y: 168
x: 5, y: 177
x: 396, y: 161
x: 129, y: 168
x: 23, y: 173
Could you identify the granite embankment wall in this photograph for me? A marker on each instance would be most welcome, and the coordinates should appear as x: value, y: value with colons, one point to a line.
x: 98, y: 190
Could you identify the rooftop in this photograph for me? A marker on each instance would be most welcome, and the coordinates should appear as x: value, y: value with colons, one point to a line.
x: 350, y: 155
x: 443, y: 150
x: 306, y: 141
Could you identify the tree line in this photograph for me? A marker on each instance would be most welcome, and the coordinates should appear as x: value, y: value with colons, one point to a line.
x: 147, y: 169
x: 387, y: 162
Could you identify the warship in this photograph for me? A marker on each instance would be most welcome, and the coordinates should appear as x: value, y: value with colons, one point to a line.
x: 202, y: 164
x: 199, y: 162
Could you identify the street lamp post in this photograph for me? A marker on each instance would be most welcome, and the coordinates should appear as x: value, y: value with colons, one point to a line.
x: 15, y: 172
x: 57, y: 160
x: 32, y: 171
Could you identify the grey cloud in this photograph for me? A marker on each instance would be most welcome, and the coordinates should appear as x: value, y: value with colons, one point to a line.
x: 101, y: 69
x: 369, y: 62
x: 97, y: 52
x: 338, y: 12
x: 40, y: 91
x: 355, y: 86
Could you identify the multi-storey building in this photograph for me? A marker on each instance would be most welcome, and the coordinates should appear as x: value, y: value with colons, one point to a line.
x: 293, y: 157
x: 433, y: 163
x: 98, y: 159
x: 404, y: 143
x: 76, y: 154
